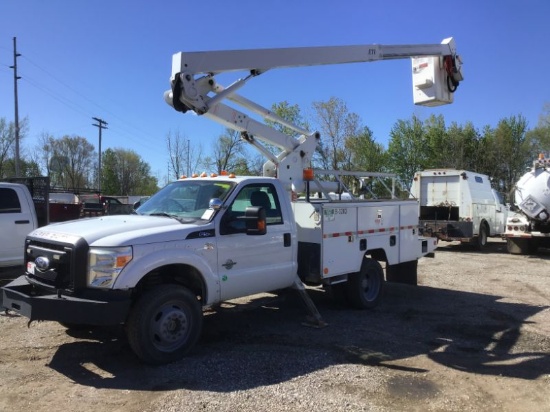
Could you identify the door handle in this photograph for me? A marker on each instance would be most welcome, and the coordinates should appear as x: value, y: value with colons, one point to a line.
x: 287, y: 240
x: 22, y: 222
x: 229, y: 264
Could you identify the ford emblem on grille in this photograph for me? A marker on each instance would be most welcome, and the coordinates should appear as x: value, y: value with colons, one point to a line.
x: 42, y: 263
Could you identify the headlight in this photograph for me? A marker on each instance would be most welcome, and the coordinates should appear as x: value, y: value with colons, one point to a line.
x: 104, y: 265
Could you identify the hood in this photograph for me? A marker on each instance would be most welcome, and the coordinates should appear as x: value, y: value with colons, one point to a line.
x: 118, y: 230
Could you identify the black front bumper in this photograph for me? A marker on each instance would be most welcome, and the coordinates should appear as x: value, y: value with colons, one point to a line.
x: 22, y: 297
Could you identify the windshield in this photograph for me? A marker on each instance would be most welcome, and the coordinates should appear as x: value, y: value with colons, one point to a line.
x: 185, y: 199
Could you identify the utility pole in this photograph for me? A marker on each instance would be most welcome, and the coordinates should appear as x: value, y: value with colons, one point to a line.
x: 101, y: 124
x: 188, y: 158
x: 15, y: 78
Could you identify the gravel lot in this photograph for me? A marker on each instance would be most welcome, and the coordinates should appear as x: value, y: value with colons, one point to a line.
x: 475, y: 335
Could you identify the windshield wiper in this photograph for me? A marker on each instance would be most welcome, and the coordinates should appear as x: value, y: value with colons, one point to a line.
x: 165, y: 215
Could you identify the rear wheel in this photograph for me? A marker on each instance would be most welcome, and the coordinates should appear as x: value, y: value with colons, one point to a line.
x: 481, y: 240
x: 364, y: 288
x: 165, y: 323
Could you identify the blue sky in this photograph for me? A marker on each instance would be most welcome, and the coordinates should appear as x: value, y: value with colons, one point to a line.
x: 112, y: 60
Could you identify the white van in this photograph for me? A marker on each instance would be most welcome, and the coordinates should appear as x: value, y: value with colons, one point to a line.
x: 458, y: 205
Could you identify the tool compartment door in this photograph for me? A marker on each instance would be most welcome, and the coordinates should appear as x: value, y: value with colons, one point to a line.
x: 379, y: 224
x: 340, y: 252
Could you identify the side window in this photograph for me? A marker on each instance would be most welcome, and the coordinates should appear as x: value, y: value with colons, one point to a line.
x: 9, y: 202
x: 263, y: 195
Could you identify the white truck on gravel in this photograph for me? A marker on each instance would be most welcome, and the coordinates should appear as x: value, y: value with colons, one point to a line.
x: 459, y: 205
x: 25, y: 204
x: 208, y: 238
x: 528, y: 227
x: 17, y: 220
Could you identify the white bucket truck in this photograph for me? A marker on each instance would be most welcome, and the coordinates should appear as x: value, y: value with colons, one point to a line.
x: 208, y: 238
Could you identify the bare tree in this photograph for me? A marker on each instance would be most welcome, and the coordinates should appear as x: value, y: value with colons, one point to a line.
x: 336, y: 124
x: 229, y: 151
x: 7, y: 145
x: 7, y: 139
x: 184, y: 158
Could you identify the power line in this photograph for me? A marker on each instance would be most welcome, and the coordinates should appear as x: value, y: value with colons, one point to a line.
x: 123, y: 128
x: 84, y: 97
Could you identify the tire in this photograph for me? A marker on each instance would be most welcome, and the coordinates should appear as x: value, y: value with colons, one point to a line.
x: 481, y: 240
x: 164, y: 324
x: 364, y: 288
x: 520, y: 246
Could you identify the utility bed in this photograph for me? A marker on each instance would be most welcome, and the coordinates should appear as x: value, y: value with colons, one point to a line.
x: 331, y: 233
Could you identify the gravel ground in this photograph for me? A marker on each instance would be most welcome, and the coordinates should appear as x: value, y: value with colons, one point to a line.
x: 475, y: 335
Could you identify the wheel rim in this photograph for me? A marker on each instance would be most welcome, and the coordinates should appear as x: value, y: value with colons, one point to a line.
x: 169, y: 327
x: 370, y: 285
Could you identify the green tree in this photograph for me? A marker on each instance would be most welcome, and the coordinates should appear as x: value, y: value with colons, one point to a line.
x: 407, y: 152
x: 290, y: 114
x: 504, y: 152
x: 512, y: 149
x: 71, y: 162
x: 436, y: 138
x: 461, y: 149
x: 125, y: 173
x: 365, y: 153
x: 539, y: 137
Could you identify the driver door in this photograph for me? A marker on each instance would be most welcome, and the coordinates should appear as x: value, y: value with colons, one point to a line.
x: 249, y: 264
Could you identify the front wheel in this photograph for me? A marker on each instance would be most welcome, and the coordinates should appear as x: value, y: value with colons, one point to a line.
x: 364, y: 288
x: 164, y: 324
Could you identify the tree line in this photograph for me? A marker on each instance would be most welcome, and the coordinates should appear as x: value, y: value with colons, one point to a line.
x: 71, y: 163
x: 503, y: 152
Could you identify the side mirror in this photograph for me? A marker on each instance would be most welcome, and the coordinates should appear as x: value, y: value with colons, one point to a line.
x: 215, y: 204
x: 255, y: 219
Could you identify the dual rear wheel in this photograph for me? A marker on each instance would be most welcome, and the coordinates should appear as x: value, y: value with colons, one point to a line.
x: 364, y: 289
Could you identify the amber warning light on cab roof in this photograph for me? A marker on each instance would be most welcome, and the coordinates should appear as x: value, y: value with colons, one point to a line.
x: 204, y: 174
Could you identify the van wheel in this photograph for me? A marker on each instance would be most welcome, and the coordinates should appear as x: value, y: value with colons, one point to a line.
x: 364, y: 288
x: 481, y: 241
x: 164, y: 324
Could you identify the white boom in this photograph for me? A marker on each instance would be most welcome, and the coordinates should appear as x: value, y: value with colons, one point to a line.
x: 436, y: 75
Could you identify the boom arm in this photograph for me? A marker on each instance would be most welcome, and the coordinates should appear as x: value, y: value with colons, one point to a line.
x: 194, y: 88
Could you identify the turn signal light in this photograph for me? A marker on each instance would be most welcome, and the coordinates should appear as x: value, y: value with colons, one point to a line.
x: 307, y: 174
